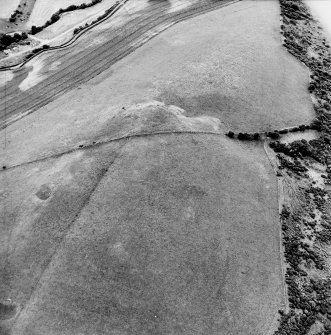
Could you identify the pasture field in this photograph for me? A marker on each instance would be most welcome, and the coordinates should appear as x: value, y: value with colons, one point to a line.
x: 165, y: 233
x: 124, y: 215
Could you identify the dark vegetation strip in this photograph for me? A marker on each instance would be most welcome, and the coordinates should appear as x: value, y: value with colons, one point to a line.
x: 307, y: 275
x: 57, y: 15
x: 109, y: 140
x: 6, y: 40
x: 271, y: 134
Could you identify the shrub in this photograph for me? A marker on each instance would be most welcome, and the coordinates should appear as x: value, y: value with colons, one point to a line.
x: 273, y: 134
x: 55, y: 17
x: 316, y: 124
x: 36, y: 30
x: 230, y: 134
x: 244, y: 136
x: 17, y: 37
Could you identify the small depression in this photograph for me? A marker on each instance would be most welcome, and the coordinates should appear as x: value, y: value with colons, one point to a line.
x: 7, y: 310
x: 44, y: 192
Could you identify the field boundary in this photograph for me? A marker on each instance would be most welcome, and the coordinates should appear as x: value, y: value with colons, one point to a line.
x: 280, y: 199
x: 109, y: 140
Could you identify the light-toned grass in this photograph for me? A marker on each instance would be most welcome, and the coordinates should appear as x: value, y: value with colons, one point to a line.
x: 44, y: 9
x: 7, y: 7
x: 73, y: 19
x: 322, y: 11
x: 34, y: 76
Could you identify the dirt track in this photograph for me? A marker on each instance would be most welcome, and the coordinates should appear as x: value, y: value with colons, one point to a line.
x: 80, y: 67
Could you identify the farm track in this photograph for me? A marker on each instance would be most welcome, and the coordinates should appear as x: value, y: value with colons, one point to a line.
x: 80, y: 69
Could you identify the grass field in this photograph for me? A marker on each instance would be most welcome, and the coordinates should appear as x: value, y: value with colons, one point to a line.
x: 7, y: 7
x: 157, y: 234
x: 154, y: 234
x: 216, y: 70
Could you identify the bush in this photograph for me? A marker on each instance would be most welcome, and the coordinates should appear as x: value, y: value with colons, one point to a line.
x: 55, y: 17
x: 36, y: 30
x: 273, y: 134
x: 230, y: 134
x: 316, y: 124
x: 245, y: 136
x: 17, y: 37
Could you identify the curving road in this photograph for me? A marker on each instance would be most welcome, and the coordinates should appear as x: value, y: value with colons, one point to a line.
x: 81, y: 62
